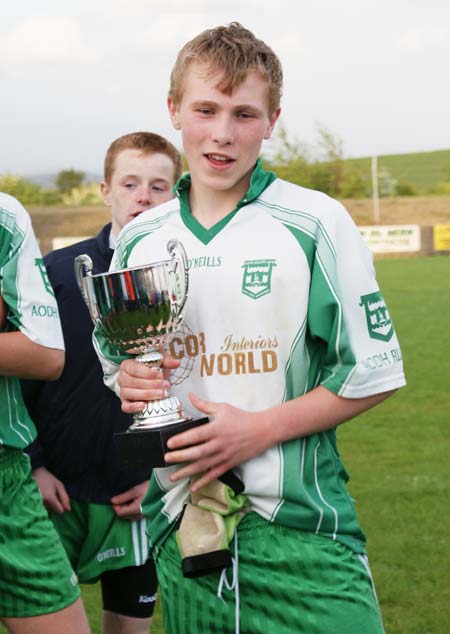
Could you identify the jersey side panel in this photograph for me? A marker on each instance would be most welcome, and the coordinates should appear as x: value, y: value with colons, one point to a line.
x: 32, y: 310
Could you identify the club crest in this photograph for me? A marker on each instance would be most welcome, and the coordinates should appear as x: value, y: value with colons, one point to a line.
x: 379, y: 322
x: 257, y: 277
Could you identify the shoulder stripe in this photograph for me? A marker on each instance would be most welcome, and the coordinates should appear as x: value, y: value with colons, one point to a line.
x: 130, y: 236
x: 309, y: 223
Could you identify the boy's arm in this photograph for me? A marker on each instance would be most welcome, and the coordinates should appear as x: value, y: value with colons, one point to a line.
x: 21, y: 357
x: 25, y: 359
x: 234, y: 435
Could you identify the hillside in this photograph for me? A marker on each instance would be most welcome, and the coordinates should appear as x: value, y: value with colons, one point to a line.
x: 422, y: 170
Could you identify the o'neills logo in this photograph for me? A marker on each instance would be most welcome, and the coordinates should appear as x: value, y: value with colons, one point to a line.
x: 379, y: 323
x: 257, y: 277
x: 111, y: 553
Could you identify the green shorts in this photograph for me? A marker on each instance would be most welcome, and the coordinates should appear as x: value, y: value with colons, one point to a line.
x: 96, y: 540
x: 288, y: 581
x: 35, y: 575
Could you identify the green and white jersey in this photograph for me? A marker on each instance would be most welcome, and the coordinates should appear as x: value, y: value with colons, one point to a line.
x: 282, y: 298
x: 25, y: 288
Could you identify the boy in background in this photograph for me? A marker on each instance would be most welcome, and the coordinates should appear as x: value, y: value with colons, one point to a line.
x: 94, y: 502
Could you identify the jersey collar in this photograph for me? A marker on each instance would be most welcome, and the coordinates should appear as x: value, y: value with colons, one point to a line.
x: 259, y: 181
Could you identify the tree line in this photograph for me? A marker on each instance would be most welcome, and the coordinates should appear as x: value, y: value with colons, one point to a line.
x: 70, y: 189
x: 320, y: 165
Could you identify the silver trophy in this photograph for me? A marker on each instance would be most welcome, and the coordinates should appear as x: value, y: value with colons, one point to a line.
x: 138, y: 309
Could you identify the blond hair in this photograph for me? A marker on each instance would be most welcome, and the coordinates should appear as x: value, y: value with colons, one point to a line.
x: 230, y: 53
x: 148, y: 143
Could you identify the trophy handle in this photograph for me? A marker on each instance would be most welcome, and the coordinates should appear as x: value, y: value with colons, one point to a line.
x: 83, y: 269
x: 177, y: 251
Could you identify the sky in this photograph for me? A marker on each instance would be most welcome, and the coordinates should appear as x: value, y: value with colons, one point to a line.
x: 76, y: 74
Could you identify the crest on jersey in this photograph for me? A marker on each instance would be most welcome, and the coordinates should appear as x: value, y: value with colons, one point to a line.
x: 43, y: 271
x: 379, y: 322
x: 257, y: 277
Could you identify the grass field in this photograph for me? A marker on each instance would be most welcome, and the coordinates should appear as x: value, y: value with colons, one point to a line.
x: 397, y: 456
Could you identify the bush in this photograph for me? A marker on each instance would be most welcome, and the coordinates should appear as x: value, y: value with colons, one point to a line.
x: 23, y: 190
x: 83, y: 195
x: 443, y: 189
x: 27, y: 192
x: 320, y: 167
x: 405, y: 189
x: 67, y: 180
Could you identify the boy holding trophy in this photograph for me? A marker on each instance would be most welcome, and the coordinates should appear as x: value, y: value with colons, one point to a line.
x: 285, y: 315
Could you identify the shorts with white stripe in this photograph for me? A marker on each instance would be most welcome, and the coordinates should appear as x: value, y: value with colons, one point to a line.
x: 288, y: 581
x: 97, y: 540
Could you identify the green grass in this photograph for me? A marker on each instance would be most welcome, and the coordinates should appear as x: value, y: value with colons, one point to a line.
x: 397, y: 456
x: 422, y: 170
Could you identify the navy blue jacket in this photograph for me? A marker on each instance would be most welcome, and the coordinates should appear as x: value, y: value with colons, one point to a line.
x: 77, y: 415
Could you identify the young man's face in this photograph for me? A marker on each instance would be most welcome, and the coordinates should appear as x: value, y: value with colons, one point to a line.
x: 139, y: 182
x: 222, y: 134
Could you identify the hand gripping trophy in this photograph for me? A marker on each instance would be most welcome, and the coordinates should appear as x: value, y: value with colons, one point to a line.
x: 139, y: 309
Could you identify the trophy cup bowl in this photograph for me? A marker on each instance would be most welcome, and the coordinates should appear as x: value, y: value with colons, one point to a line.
x: 138, y: 309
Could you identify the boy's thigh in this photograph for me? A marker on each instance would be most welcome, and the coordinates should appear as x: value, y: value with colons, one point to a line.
x: 98, y: 541
x: 36, y: 577
x: 69, y: 620
x: 288, y: 581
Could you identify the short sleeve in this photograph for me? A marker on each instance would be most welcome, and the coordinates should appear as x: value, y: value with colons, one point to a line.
x: 24, y: 284
x: 347, y: 314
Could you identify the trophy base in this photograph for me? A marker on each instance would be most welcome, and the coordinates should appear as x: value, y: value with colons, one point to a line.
x: 141, y: 449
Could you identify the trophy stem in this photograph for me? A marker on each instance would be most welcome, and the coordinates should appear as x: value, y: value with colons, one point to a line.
x: 152, y: 359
